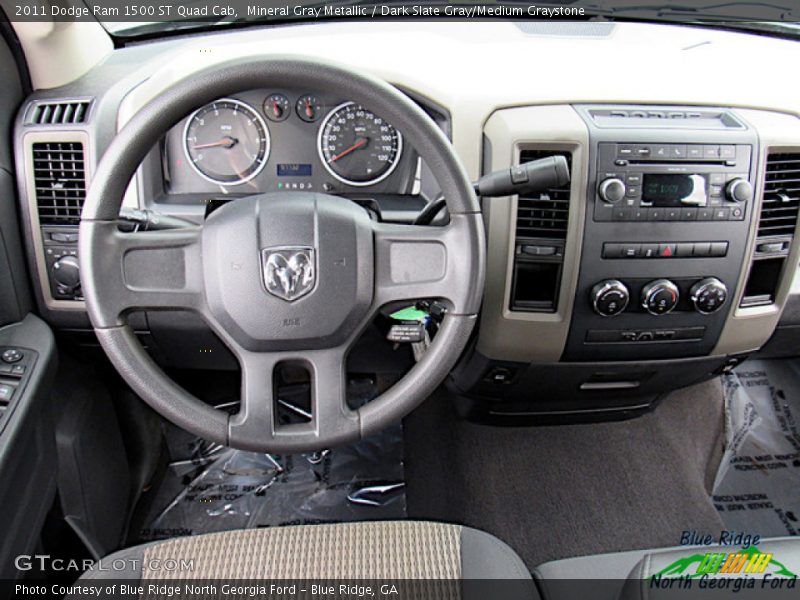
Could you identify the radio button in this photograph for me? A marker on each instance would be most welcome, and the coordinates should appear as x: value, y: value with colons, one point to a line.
x: 643, y: 151
x: 673, y: 214
x: 622, y: 214
x: 705, y: 214
x: 721, y: 214
x: 727, y: 151
x: 684, y: 249
x: 739, y: 190
x: 677, y: 151
x: 737, y: 213
x: 661, y: 151
x: 716, y: 178
x: 688, y: 214
x: 634, y: 178
x: 625, y: 151
x: 639, y: 214
x: 715, y: 190
x: 611, y: 190
x: 633, y: 191
x: 694, y: 151
x: 657, y: 214
x: 711, y: 152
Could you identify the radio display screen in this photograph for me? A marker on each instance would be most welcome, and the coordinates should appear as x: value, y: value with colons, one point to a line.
x: 671, y: 190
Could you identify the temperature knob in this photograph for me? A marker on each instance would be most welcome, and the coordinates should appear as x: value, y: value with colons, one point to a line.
x: 660, y: 296
x: 609, y: 297
x: 612, y: 190
x: 708, y: 295
x: 67, y: 272
x: 739, y: 190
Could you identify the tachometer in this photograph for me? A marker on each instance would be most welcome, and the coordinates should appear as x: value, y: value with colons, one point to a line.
x: 358, y: 147
x: 227, y: 142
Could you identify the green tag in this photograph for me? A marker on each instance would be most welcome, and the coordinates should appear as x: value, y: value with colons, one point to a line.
x: 412, y: 313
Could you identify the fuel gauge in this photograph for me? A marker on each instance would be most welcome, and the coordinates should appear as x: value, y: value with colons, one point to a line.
x: 308, y: 108
x: 277, y: 108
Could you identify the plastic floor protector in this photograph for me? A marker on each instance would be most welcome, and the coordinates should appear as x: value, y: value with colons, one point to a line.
x: 211, y: 488
x: 757, y: 488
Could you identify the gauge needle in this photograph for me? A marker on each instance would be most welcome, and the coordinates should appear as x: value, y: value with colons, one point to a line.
x: 309, y: 109
x: 276, y: 108
x: 355, y: 146
x: 226, y: 142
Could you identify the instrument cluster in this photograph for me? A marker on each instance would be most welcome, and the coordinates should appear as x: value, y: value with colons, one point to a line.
x: 277, y: 140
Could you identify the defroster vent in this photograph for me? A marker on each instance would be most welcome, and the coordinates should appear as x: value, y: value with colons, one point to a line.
x: 59, y: 174
x: 544, y: 216
x: 60, y: 113
x: 781, y: 195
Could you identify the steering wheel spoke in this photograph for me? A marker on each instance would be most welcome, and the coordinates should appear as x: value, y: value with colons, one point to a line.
x: 255, y: 426
x: 156, y: 270
x: 414, y: 262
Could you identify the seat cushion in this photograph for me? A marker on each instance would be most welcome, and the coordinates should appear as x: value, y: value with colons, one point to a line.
x: 381, y: 550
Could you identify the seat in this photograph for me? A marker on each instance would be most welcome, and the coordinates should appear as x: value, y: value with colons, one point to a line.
x: 628, y: 575
x: 378, y: 550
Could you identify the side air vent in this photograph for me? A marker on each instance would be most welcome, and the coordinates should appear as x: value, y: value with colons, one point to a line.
x: 776, y: 224
x: 541, y: 233
x: 544, y: 216
x: 59, y: 174
x: 60, y: 113
x: 781, y: 195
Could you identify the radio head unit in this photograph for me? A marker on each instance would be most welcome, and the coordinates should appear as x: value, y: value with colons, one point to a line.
x: 672, y: 182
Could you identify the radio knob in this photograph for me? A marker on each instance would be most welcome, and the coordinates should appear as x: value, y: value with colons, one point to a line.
x: 708, y: 295
x: 660, y: 296
x: 739, y: 190
x: 67, y: 272
x: 609, y: 297
x: 612, y: 190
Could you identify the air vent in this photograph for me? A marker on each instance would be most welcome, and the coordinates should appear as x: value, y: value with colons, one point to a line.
x: 544, y: 216
x: 60, y: 113
x: 59, y: 174
x: 781, y: 195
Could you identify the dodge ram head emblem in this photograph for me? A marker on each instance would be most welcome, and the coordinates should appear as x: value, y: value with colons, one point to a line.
x: 289, y: 273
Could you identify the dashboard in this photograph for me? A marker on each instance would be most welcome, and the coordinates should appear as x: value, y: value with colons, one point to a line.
x: 669, y: 257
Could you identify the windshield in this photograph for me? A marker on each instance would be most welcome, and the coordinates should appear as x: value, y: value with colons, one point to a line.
x: 781, y: 17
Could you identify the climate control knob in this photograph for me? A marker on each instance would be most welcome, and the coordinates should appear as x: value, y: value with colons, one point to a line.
x: 708, y: 295
x: 739, y: 190
x: 609, y: 297
x: 660, y: 296
x: 612, y: 190
x: 67, y: 272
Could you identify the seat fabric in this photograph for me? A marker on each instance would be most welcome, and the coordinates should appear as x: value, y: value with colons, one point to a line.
x: 379, y: 550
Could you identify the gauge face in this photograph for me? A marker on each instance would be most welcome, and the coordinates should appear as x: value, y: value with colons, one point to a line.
x: 308, y: 108
x: 227, y: 142
x: 357, y: 147
x: 277, y: 108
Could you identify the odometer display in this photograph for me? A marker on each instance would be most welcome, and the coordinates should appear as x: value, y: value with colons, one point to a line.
x: 227, y: 142
x: 358, y: 147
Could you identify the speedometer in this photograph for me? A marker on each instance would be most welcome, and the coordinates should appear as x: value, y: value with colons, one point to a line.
x: 358, y: 147
x: 227, y: 142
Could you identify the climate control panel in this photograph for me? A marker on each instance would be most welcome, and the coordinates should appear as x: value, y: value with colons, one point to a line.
x: 612, y: 297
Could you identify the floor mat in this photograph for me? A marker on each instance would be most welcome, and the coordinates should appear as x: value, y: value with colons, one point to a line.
x: 210, y: 488
x: 571, y: 490
x: 757, y: 489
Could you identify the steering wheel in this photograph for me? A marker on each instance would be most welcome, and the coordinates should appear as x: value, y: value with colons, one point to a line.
x: 226, y: 270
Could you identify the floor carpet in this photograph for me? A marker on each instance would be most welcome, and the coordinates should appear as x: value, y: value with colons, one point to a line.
x: 560, y: 491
